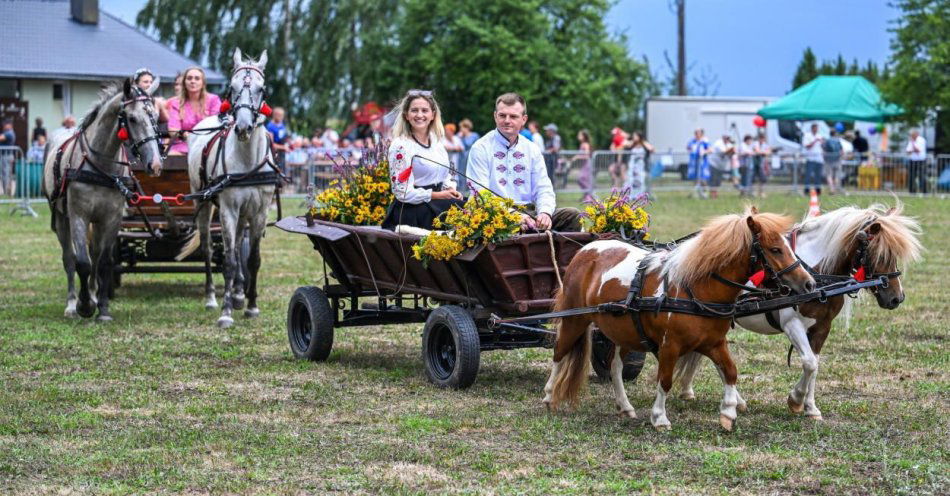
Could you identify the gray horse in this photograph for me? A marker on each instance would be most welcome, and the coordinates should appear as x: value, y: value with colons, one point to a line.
x: 83, y: 182
x: 241, y: 152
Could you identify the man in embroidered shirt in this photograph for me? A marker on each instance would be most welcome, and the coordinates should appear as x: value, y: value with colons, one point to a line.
x: 513, y: 167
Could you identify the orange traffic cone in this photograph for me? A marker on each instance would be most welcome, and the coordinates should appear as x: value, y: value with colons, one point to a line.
x: 813, y: 209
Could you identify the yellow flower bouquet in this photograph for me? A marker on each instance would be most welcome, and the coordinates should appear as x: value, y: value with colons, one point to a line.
x: 486, y: 218
x: 619, y: 213
x: 362, y: 193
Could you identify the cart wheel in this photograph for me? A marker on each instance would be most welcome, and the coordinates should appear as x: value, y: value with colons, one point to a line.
x: 310, y: 324
x: 451, y: 348
x: 601, y: 350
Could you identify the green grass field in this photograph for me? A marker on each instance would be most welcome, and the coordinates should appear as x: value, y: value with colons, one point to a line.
x: 161, y: 401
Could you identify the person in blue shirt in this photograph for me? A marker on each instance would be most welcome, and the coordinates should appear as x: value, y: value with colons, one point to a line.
x: 278, y: 132
x: 698, y: 170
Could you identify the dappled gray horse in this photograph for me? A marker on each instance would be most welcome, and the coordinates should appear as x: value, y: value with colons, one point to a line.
x: 234, y: 167
x: 87, y: 188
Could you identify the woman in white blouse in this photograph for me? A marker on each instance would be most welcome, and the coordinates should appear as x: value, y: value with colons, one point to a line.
x: 419, y: 165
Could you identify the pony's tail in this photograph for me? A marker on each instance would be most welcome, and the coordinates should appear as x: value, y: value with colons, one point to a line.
x: 686, y: 368
x: 194, y: 239
x: 574, y: 368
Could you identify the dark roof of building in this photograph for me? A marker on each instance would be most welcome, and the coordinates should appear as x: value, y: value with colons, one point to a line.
x: 41, y: 40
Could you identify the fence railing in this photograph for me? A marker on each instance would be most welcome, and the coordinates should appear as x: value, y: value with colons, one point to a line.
x: 575, y: 171
x: 20, y: 179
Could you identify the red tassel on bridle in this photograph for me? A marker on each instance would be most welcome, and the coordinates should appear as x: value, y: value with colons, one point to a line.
x: 860, y: 276
x: 265, y: 109
x: 757, y: 278
x: 123, y: 134
x: 225, y: 106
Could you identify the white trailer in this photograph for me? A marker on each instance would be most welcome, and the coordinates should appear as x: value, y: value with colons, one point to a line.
x: 671, y: 121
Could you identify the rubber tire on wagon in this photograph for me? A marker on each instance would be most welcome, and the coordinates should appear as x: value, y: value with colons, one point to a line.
x: 601, y: 347
x: 451, y: 348
x: 310, y: 324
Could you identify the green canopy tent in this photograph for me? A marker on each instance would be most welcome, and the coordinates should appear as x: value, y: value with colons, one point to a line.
x: 833, y: 98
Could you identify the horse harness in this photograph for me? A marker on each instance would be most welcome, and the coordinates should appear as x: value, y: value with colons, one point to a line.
x: 635, y: 303
x: 96, y: 176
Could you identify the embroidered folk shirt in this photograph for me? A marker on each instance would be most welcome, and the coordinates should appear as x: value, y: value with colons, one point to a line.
x: 515, y: 171
x: 429, y: 166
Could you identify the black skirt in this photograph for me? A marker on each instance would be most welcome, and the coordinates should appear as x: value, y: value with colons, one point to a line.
x: 418, y: 214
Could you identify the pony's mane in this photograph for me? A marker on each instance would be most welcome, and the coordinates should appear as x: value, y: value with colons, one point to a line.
x: 108, y: 91
x: 723, y: 241
x: 897, y: 242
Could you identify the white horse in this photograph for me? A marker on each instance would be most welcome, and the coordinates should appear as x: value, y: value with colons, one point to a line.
x: 239, y: 158
x: 86, y: 188
x: 867, y: 243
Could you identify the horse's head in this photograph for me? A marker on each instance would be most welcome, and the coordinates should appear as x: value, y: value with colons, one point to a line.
x: 885, y: 242
x: 137, y: 122
x: 771, y: 251
x: 247, y: 93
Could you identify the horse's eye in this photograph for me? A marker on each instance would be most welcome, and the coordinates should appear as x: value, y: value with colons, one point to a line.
x: 775, y: 251
x: 133, y: 120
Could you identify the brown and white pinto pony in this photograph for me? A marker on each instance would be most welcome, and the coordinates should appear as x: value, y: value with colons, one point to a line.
x: 602, y: 272
x: 830, y: 243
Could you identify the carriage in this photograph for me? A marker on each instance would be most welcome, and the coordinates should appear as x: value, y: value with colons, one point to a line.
x: 379, y: 282
x: 158, y: 223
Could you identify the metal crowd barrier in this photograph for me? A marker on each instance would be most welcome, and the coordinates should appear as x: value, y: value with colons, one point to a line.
x: 20, y: 180
x: 602, y: 170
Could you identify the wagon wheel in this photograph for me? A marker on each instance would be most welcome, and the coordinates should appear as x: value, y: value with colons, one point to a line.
x: 602, y: 349
x: 451, y: 348
x: 310, y: 324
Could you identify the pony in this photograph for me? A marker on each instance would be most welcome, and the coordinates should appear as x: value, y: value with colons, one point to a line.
x: 87, y: 188
x: 231, y: 159
x: 866, y: 243
x: 728, y: 248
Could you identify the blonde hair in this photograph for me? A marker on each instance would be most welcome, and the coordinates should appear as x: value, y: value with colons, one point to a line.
x: 202, y: 94
x: 401, y: 127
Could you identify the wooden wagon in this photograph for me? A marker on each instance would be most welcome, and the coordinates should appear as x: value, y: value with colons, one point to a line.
x: 379, y: 282
x: 155, y: 229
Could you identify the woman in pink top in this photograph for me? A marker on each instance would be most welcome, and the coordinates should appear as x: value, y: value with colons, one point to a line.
x: 192, y: 104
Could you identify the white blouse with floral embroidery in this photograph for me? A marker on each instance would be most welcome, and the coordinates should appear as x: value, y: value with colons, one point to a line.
x: 429, y: 166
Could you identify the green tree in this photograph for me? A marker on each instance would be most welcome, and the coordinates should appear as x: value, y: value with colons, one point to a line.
x: 327, y: 54
x: 807, y: 69
x: 919, y: 78
x: 317, y: 49
x: 557, y: 53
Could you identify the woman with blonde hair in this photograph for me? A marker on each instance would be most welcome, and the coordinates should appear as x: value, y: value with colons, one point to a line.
x: 191, y: 104
x: 419, y: 165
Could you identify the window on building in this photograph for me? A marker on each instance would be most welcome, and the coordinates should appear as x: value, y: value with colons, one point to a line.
x: 9, y: 88
x: 57, y: 91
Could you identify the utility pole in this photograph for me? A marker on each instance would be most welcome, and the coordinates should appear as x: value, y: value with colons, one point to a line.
x: 681, y: 48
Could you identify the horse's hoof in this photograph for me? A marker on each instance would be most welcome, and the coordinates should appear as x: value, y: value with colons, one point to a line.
x: 726, y: 422
x: 104, y: 318
x: 795, y: 407
x: 687, y: 395
x: 71, y: 313
x: 86, y: 311
x: 742, y: 407
x: 225, y: 322
x: 628, y: 414
x: 816, y: 418
x: 663, y: 427
x: 211, y: 305
x: 252, y: 312
x: 237, y: 302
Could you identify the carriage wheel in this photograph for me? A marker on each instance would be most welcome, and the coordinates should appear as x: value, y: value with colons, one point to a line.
x: 310, y: 324
x: 451, y: 348
x: 601, y: 350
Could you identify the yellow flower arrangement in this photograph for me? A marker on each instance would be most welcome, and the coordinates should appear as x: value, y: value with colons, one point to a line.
x: 362, y: 194
x: 619, y: 213
x: 485, y: 218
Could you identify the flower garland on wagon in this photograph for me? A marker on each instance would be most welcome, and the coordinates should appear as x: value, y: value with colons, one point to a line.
x: 619, y: 213
x: 485, y: 219
x: 362, y: 193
